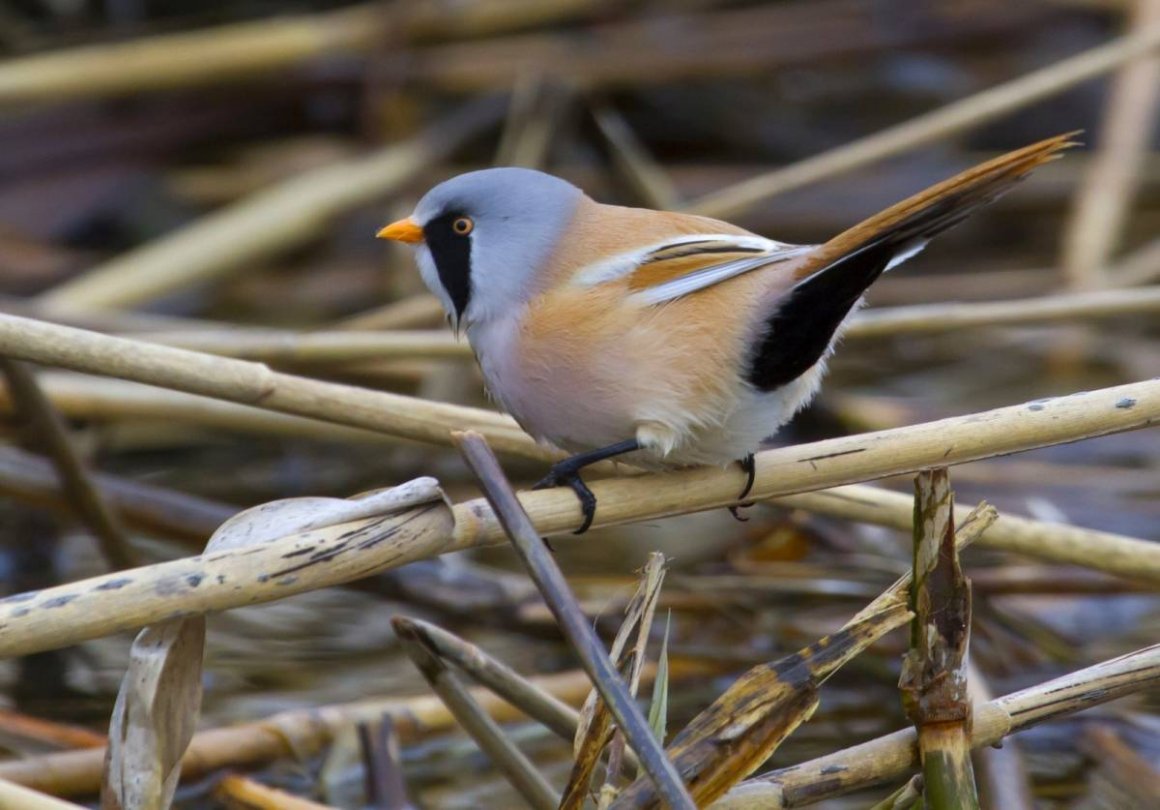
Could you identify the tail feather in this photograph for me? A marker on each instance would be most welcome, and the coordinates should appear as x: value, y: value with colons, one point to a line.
x: 941, y: 206
x: 831, y: 282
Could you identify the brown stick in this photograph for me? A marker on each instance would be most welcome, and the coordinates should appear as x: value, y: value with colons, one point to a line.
x: 75, y: 481
x: 242, y: 793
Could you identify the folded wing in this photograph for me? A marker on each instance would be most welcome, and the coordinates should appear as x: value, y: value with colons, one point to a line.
x: 685, y: 264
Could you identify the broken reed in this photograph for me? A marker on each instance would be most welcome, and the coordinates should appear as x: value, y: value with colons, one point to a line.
x: 934, y: 672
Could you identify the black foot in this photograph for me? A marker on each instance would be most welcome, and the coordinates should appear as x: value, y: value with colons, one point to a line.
x: 750, y: 467
x: 564, y: 475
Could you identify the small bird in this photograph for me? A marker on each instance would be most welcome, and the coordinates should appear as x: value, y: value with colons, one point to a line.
x: 670, y: 338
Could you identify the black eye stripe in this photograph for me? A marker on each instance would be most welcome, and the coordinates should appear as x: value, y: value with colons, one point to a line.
x: 451, y: 253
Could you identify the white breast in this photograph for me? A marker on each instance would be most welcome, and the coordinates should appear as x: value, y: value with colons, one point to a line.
x: 494, y: 343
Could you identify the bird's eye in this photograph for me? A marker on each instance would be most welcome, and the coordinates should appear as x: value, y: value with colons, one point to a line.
x: 463, y: 226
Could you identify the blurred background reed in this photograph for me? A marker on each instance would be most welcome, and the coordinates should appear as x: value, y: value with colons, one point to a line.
x: 215, y: 171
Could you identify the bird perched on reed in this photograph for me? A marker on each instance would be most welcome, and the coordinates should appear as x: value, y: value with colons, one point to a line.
x: 670, y: 338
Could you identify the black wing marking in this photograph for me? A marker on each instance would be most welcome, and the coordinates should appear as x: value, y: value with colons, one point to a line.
x: 802, y: 328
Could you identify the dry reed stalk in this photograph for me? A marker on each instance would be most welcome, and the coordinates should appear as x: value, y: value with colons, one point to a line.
x: 494, y: 675
x: 122, y: 321
x: 595, y: 731
x: 744, y: 726
x: 934, y: 671
x: 574, y: 625
x: 186, y: 516
x: 49, y: 430
x: 1103, y: 200
x: 948, y: 120
x: 933, y: 318
x: 242, y: 793
x: 294, y: 733
x: 382, y: 765
x: 48, y: 733
x: 407, y: 313
x: 1140, y: 267
x: 833, y: 462
x: 304, y: 560
x: 780, y: 472
x: 520, y: 772
x: 197, y: 57
x: 972, y: 527
x: 232, y: 52
x: 1136, y: 778
x: 536, y: 111
x: 1102, y: 551
x: 895, y: 755
x: 632, y: 159
x: 103, y: 399
x: 145, y: 507
x: 268, y: 222
x: 698, y: 44
x: 19, y: 797
x: 836, y: 461
x: 815, y: 466
x: 289, y: 347
x: 1002, y: 772
x: 254, y: 384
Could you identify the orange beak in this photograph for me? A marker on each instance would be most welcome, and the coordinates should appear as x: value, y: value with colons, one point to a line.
x: 405, y: 230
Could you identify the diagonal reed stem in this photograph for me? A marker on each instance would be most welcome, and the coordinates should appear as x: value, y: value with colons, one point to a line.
x: 573, y: 623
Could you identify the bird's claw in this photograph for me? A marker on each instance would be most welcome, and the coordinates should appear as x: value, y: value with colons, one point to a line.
x: 571, y: 479
x: 735, y: 510
x: 749, y: 465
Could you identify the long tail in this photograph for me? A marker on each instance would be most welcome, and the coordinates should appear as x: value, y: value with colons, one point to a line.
x: 834, y: 278
x: 941, y: 206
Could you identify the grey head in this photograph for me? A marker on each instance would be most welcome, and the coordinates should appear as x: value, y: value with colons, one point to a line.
x: 485, y: 234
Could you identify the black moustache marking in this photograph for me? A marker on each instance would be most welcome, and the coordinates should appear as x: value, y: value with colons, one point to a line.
x: 451, y: 253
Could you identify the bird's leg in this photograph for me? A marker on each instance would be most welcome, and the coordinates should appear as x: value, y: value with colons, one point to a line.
x: 567, y: 473
x: 749, y: 465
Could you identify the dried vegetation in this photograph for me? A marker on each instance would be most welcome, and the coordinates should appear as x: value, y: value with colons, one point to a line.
x: 231, y: 480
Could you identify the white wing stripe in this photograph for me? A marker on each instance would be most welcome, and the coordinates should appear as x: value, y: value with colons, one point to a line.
x: 622, y: 264
x: 714, y: 274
